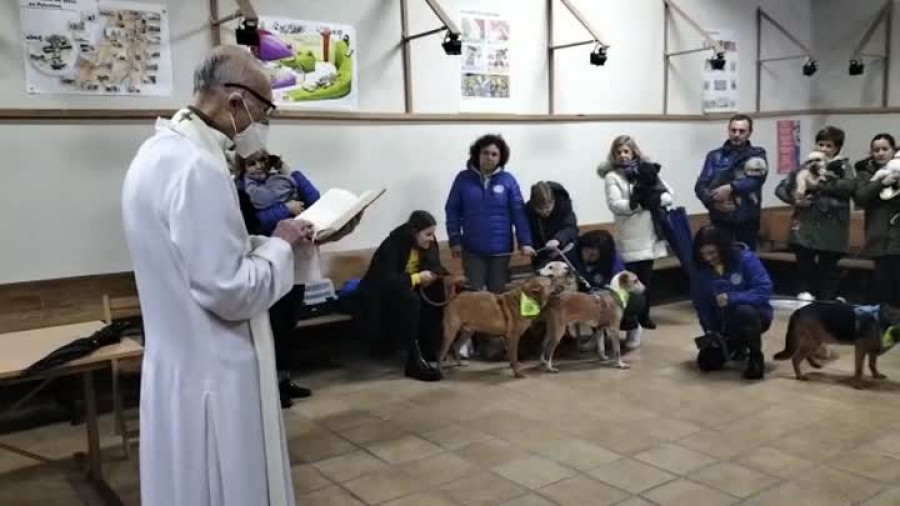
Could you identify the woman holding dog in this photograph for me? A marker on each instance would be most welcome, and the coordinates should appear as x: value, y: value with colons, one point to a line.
x: 731, y: 291
x: 406, y: 263
x: 634, y: 192
x: 882, y: 217
x: 552, y: 221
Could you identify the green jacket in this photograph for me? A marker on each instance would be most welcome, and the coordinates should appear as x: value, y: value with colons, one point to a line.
x: 882, y: 216
x: 824, y: 225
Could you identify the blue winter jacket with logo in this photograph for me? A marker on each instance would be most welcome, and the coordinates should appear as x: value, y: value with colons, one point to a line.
x: 482, y: 211
x: 725, y: 166
x: 746, y: 282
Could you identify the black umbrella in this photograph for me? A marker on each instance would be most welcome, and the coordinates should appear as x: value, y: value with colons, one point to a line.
x: 110, y: 334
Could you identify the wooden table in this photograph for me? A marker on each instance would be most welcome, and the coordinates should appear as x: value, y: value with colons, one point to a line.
x: 18, y: 350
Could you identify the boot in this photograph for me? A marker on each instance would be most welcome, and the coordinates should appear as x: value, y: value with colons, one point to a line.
x: 633, y: 339
x: 756, y: 367
x: 418, y: 368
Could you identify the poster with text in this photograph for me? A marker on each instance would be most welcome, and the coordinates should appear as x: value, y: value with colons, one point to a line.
x: 788, y: 145
x: 87, y: 47
x: 485, y: 61
x: 311, y: 64
x: 721, y: 90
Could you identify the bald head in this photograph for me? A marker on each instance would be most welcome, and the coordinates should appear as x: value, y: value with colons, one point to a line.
x: 230, y: 64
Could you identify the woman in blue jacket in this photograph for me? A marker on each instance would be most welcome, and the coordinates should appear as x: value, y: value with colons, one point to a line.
x: 731, y: 291
x: 483, y: 207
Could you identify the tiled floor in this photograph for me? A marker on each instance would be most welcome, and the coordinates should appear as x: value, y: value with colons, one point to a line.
x: 660, y: 433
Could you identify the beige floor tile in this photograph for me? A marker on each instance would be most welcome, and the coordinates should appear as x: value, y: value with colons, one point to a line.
x: 439, y: 469
x: 404, y: 449
x: 533, y: 472
x: 331, y: 496
x: 422, y: 499
x: 683, y: 493
x: 674, y: 458
x: 631, y: 475
x: 635, y: 501
x: 870, y: 463
x: 383, y: 485
x: 775, y: 462
x: 454, y: 437
x: 717, y: 444
x: 887, y: 498
x: 374, y: 432
x: 492, y: 453
x: 308, y: 479
x: 318, y: 446
x: 734, y: 479
x: 529, y: 500
x: 839, y: 483
x: 347, y: 420
x: 579, y: 454
x: 484, y: 489
x: 792, y: 494
x: 889, y: 444
x: 582, y: 490
x: 349, y: 466
x: 666, y: 429
x: 617, y: 437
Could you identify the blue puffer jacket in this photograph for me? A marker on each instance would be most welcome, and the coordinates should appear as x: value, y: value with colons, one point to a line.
x: 269, y: 218
x: 746, y: 282
x: 481, y: 213
x: 723, y: 166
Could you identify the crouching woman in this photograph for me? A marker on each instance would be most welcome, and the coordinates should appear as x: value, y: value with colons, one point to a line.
x: 731, y: 291
x: 394, y: 311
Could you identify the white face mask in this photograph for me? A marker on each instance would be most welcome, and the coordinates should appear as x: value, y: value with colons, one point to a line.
x: 253, y: 139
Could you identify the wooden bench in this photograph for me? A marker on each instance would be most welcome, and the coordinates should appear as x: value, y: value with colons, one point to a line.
x: 775, y: 229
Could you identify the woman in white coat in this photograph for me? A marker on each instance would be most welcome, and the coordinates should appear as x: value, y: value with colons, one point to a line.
x: 637, y: 239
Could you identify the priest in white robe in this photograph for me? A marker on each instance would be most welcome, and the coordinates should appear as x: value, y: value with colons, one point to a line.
x: 211, y: 426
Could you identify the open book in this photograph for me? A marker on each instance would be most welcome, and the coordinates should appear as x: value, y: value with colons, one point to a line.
x: 336, y: 208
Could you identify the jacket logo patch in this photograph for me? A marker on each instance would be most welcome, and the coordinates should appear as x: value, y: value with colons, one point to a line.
x: 498, y: 189
x: 736, y: 278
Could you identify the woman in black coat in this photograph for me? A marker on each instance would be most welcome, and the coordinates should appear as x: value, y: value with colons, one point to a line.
x: 406, y: 263
x: 552, y: 221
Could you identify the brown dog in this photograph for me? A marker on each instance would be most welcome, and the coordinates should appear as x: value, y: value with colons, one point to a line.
x: 601, y: 310
x: 496, y: 315
x: 829, y: 322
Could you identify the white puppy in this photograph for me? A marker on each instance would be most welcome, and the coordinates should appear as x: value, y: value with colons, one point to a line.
x: 889, y: 175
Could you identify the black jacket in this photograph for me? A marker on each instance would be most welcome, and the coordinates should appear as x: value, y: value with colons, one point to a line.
x: 561, y: 225
x: 388, y: 266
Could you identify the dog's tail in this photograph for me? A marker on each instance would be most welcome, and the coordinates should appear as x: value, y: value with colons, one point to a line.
x: 790, y: 340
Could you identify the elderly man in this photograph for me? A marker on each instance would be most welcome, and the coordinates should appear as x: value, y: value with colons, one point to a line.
x: 731, y: 182
x: 211, y: 428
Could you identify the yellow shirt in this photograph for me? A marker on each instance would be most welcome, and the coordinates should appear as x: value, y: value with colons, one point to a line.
x: 412, y: 266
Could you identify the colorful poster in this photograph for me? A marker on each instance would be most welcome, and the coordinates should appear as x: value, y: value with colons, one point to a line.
x: 311, y: 64
x: 485, y: 61
x: 88, y: 47
x: 721, y: 91
x: 788, y: 145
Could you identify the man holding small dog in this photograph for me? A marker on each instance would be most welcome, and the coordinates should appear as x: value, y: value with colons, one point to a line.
x: 731, y: 182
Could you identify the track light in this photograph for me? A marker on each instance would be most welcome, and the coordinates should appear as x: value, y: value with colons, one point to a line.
x: 452, y: 45
x: 717, y: 62
x: 856, y: 68
x: 247, y: 33
x: 810, y: 67
x: 598, y: 55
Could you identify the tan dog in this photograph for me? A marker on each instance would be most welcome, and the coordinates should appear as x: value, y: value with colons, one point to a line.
x: 813, y: 172
x: 830, y: 322
x: 495, y: 315
x: 601, y: 310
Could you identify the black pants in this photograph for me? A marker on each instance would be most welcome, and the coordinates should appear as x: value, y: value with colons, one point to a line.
x: 644, y: 271
x: 743, y: 332
x: 636, y: 307
x: 395, y: 316
x: 747, y: 233
x: 283, y: 316
x: 887, y: 280
x: 818, y: 272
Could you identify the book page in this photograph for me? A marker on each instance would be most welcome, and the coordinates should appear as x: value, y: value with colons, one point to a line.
x: 329, y: 208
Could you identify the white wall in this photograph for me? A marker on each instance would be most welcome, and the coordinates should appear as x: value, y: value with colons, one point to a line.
x: 60, y: 201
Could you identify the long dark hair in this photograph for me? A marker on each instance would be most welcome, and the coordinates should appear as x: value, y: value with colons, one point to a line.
x: 485, y: 141
x: 721, y: 239
x: 602, y: 241
x: 420, y: 220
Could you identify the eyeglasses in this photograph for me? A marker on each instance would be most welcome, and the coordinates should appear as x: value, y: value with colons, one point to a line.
x: 270, y: 107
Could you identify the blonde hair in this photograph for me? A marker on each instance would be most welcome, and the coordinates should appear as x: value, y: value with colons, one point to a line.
x: 624, y: 140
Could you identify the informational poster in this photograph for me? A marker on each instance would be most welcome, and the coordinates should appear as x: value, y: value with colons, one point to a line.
x: 311, y: 64
x: 721, y: 91
x: 91, y: 47
x: 788, y: 145
x: 485, y: 62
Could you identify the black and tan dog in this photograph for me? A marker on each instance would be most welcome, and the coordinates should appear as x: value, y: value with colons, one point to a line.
x: 871, y: 330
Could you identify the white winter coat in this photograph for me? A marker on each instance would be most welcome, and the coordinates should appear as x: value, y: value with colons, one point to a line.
x: 635, y: 236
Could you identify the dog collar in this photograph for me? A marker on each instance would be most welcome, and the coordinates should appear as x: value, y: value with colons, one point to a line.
x: 622, y: 296
x: 529, y: 307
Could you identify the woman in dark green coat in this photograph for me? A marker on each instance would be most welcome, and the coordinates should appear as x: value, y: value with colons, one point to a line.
x: 882, y: 219
x: 820, y: 225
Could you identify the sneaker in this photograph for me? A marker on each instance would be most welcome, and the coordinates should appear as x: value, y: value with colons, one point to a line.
x: 805, y: 297
x: 841, y: 300
x: 421, y: 372
x: 647, y: 323
x: 288, y: 390
x: 633, y: 339
x: 465, y: 351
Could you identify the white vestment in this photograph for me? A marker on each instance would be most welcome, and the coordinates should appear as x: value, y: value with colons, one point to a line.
x: 209, y: 403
